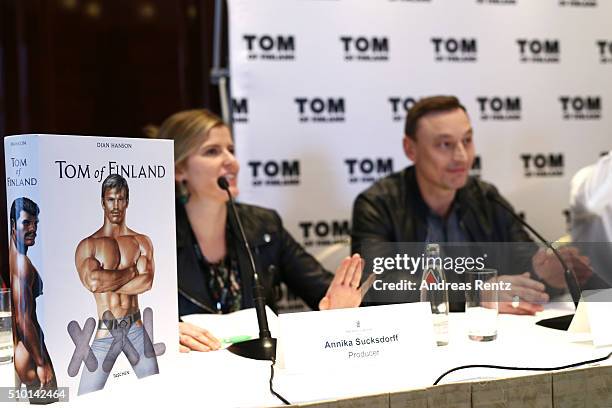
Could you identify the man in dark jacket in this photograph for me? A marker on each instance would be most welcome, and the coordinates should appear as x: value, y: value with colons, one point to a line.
x: 435, y: 200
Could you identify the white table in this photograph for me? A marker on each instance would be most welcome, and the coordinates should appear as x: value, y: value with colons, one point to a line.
x: 220, y: 379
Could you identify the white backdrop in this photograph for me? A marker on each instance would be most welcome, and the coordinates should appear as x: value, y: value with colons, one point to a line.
x: 319, y: 88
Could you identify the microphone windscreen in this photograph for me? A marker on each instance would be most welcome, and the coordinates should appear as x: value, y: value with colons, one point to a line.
x: 223, y: 183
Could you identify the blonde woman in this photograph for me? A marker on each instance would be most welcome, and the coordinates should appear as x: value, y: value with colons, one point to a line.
x: 213, y: 271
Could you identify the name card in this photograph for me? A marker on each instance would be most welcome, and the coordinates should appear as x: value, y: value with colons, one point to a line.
x: 382, y: 335
x: 593, y: 316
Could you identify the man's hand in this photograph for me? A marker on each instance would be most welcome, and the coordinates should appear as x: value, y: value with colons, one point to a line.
x: 196, y: 338
x: 547, y: 266
x: 344, y: 289
x: 44, y: 374
x: 530, y: 294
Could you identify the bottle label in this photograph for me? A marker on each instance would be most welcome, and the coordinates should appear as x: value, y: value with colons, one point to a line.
x: 431, y: 278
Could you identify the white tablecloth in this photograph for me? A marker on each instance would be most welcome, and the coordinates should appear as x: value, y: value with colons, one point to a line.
x: 220, y: 379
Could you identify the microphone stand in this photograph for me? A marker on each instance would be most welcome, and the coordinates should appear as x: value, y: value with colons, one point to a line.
x: 560, y: 322
x: 264, y: 347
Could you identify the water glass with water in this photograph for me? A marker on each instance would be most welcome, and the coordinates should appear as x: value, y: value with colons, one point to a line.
x: 481, y: 304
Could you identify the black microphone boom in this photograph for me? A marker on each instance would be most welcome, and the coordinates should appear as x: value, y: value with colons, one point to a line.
x: 263, y: 348
x: 562, y: 322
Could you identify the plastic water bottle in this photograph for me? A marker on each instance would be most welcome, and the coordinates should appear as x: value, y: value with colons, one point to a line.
x: 433, y: 290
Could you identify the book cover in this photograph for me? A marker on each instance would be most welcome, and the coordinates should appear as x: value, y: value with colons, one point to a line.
x: 92, y: 259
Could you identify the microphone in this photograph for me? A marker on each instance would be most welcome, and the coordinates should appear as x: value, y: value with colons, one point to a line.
x: 263, y: 348
x: 562, y: 322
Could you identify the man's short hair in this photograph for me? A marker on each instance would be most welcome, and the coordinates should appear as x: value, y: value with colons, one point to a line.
x: 23, y: 204
x: 115, y: 181
x: 439, y: 103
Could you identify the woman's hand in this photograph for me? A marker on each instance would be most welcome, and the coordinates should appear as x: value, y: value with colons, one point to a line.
x: 344, y: 289
x: 192, y: 337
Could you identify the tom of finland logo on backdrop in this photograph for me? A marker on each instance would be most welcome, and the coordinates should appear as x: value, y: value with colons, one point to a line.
x: 320, y: 109
x: 543, y: 164
x: 240, y: 110
x: 270, y: 47
x: 455, y: 49
x: 539, y: 50
x: 274, y: 172
x: 499, y: 107
x: 605, y: 51
x: 324, y: 232
x: 359, y: 48
x: 581, y: 107
x: 509, y: 2
x: 400, y: 106
x: 368, y: 170
x: 495, y: 1
x: 578, y: 3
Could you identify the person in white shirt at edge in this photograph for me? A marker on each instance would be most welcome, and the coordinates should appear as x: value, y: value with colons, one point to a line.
x: 591, y: 211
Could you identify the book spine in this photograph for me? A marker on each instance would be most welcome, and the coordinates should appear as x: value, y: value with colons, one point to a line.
x: 22, y: 194
x: 22, y: 169
x: 22, y: 178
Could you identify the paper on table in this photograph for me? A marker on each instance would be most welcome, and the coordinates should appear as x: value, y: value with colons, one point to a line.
x: 592, y: 318
x: 358, y: 337
x: 232, y: 325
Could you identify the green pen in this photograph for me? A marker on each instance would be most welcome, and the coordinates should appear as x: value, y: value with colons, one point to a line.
x: 235, y: 339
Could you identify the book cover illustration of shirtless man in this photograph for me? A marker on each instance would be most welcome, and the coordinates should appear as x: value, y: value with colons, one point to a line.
x: 116, y: 264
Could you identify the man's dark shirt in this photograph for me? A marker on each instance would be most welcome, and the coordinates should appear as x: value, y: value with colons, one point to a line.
x: 440, y: 229
x: 392, y: 210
